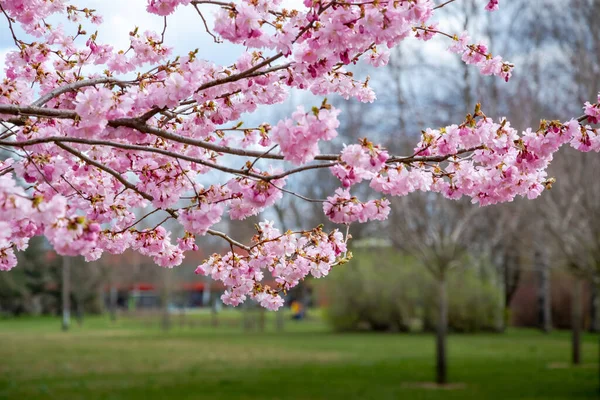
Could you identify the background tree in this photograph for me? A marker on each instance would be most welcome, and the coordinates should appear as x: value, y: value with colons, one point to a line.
x: 572, y: 217
x: 436, y: 234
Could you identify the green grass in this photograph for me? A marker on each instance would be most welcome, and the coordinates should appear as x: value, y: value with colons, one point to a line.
x: 134, y: 359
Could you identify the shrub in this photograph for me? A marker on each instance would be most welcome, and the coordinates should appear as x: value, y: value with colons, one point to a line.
x: 385, y: 290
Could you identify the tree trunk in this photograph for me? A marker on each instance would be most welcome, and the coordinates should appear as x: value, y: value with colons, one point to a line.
x: 79, y: 310
x: 512, y: 275
x: 112, y: 294
x: 595, y: 308
x: 66, y: 293
x: 166, y: 319
x: 279, y: 320
x: 442, y: 327
x: 182, y: 316
x: 576, y: 314
x: 544, y: 296
x: 262, y: 319
x: 113, y: 302
x: 506, y: 317
x: 247, y: 322
x: 506, y: 278
x: 166, y: 297
x: 305, y: 298
x: 214, y: 313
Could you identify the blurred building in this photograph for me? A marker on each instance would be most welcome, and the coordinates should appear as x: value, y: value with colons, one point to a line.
x: 525, y: 307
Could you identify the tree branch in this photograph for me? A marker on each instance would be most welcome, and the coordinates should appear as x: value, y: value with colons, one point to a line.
x: 74, y: 86
x: 106, y: 169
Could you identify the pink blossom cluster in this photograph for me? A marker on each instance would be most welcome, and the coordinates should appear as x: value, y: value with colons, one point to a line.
x: 400, y: 180
x: 360, y: 161
x: 29, y: 13
x: 250, y: 196
x: 164, y: 7
x: 478, y: 55
x: 200, y: 218
x: 92, y: 105
x: 492, y: 5
x: 343, y: 208
x: 25, y: 215
x: 156, y: 243
x: 299, y: 136
x: 592, y: 111
x: 288, y: 257
x: 503, y: 163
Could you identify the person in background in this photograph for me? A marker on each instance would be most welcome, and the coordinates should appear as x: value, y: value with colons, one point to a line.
x: 297, y: 310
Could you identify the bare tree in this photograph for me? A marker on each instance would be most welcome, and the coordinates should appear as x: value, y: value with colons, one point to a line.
x: 572, y: 216
x: 498, y: 233
x: 542, y: 265
x: 435, y: 232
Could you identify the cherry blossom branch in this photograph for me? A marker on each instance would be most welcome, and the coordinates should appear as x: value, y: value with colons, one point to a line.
x: 34, y: 111
x: 143, y: 127
x: 75, y: 86
x: 162, y: 128
x: 10, y: 26
x: 162, y: 35
x: 104, y: 168
x: 261, y: 156
x: 206, y: 28
x: 6, y: 171
x: 243, y: 172
x: 443, y: 4
x: 140, y: 220
x: 32, y: 161
x: 301, y: 197
x: 218, y: 3
x: 249, y: 73
x: 124, y: 146
x: 301, y: 169
x: 228, y: 239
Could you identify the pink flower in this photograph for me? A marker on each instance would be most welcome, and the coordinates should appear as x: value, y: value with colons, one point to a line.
x: 199, y: 219
x: 298, y: 137
x: 592, y: 112
x: 164, y: 7
x: 492, y: 5
x: 460, y: 43
x: 269, y: 301
x: 8, y: 259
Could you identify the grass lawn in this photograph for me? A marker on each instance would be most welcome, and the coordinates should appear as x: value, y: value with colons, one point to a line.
x: 134, y: 359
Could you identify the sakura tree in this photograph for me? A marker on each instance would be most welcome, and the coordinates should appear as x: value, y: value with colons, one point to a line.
x: 96, y: 132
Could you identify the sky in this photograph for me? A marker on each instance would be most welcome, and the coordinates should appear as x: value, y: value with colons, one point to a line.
x: 185, y: 31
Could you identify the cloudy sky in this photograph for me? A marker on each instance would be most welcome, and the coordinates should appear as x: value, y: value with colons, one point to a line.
x: 185, y: 31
